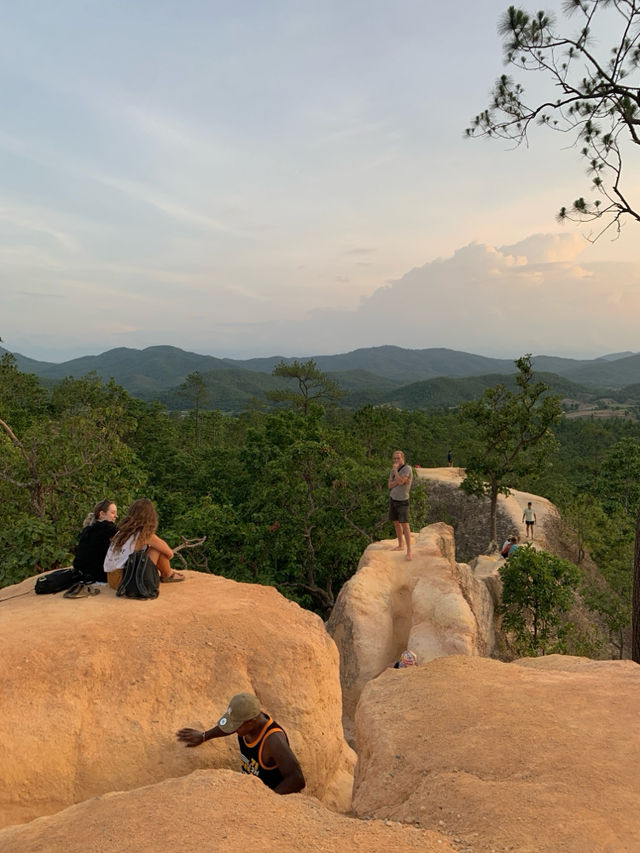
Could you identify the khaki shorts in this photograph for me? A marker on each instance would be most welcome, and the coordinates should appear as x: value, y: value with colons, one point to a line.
x: 114, y: 578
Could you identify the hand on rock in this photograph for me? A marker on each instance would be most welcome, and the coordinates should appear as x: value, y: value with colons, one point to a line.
x: 191, y: 737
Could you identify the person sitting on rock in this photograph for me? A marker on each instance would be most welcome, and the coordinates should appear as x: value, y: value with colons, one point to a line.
x: 264, y: 745
x: 137, y: 530
x: 513, y: 546
x: 93, y: 542
x: 508, y: 542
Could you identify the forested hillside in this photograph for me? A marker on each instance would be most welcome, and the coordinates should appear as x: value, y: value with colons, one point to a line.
x: 283, y: 497
x: 419, y: 379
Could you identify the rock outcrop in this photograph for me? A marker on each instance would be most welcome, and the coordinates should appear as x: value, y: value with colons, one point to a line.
x: 432, y: 605
x: 94, y: 689
x: 469, y: 516
x: 537, y: 756
x: 214, y: 810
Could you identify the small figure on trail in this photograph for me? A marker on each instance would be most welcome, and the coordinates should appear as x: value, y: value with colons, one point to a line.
x: 93, y: 542
x: 400, y: 480
x: 509, y: 546
x: 407, y: 658
x: 137, y: 530
x: 449, y: 458
x: 529, y: 517
x: 513, y: 546
x: 264, y: 745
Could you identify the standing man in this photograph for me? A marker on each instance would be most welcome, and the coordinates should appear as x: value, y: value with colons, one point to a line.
x: 529, y: 517
x: 264, y: 745
x: 400, y: 480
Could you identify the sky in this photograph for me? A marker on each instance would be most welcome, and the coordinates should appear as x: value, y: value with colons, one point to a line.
x: 287, y: 177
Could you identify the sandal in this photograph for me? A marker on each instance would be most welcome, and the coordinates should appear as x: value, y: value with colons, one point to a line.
x: 174, y: 577
x: 80, y: 590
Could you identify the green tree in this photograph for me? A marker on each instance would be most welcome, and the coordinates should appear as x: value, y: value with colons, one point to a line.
x: 194, y: 389
x: 64, y: 459
x: 589, y: 95
x: 22, y: 398
x: 512, y: 437
x: 308, y: 505
x: 374, y: 426
x: 537, y: 590
x: 619, y: 481
x: 313, y: 385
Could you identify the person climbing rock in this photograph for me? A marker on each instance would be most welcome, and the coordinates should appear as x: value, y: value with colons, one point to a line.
x: 264, y: 745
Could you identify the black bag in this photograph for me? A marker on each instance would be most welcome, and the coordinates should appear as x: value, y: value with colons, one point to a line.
x: 140, y: 578
x: 57, y: 581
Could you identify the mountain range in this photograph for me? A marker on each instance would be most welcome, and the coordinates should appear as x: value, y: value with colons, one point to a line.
x: 385, y: 374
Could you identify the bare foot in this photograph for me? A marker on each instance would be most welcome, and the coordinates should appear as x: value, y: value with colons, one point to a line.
x: 408, y: 557
x: 398, y: 548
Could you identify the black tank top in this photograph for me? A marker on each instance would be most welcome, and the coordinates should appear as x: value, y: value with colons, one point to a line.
x: 252, y: 761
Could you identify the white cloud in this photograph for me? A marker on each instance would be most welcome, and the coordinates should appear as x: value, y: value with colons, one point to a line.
x: 492, y: 301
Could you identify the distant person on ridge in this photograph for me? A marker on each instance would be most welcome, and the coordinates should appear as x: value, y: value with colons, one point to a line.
x: 529, y: 517
x: 449, y: 459
x: 400, y: 480
x: 264, y: 745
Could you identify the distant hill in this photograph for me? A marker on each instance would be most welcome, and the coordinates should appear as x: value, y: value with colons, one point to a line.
x: 385, y: 374
x: 446, y: 392
x: 144, y: 373
x: 610, y: 374
x: 232, y: 389
x: 396, y: 363
x: 614, y: 356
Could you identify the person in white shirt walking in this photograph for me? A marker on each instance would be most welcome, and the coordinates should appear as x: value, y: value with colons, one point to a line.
x: 529, y: 517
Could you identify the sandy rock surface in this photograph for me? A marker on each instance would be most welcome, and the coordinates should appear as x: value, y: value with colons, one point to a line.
x: 431, y: 605
x: 539, y: 756
x: 94, y: 689
x: 215, y: 810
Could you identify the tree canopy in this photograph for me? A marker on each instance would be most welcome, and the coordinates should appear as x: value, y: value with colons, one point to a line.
x: 537, y: 589
x: 590, y: 95
x: 512, y: 436
x: 313, y: 385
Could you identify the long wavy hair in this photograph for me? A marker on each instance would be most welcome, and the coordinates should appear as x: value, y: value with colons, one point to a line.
x: 141, y: 518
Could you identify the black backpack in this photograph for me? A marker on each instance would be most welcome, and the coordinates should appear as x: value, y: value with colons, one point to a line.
x: 140, y: 578
x: 57, y: 581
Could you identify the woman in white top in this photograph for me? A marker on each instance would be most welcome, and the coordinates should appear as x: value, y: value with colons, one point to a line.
x: 136, y: 531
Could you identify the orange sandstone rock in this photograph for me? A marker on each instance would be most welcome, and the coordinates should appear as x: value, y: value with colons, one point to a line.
x: 538, y: 756
x: 94, y: 689
x: 214, y: 810
x: 431, y: 605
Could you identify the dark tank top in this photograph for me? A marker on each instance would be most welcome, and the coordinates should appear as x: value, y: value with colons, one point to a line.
x: 252, y: 761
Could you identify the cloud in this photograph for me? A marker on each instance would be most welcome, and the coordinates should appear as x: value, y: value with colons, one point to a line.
x: 495, y: 301
x: 535, y: 296
x: 547, y: 248
x: 36, y: 222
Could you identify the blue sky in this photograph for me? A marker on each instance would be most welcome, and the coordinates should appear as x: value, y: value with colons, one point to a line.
x: 285, y: 177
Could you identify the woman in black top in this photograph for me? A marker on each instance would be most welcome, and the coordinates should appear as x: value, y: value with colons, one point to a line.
x: 93, y: 542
